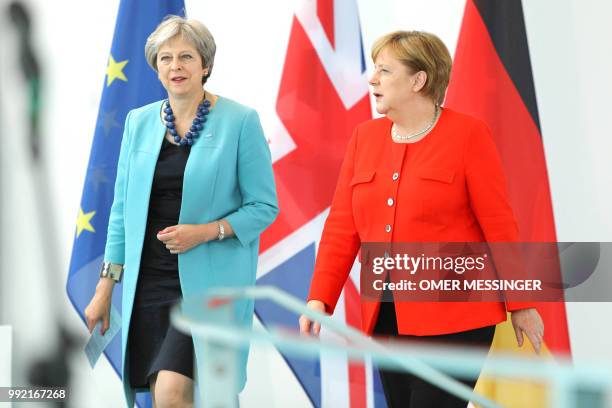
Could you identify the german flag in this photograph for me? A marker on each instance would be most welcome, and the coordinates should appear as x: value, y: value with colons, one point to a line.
x: 492, y: 80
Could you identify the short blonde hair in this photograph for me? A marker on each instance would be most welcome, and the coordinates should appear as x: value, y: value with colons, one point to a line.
x: 420, y: 51
x: 189, y: 29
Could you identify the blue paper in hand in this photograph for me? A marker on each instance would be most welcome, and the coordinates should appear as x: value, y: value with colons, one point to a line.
x: 97, y: 343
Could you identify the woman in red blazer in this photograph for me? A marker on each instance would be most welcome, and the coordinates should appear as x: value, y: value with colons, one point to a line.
x: 422, y: 173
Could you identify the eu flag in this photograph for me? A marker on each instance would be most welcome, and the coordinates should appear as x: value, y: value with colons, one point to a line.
x: 129, y: 83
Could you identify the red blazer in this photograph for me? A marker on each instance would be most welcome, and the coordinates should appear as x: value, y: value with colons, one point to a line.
x: 447, y: 187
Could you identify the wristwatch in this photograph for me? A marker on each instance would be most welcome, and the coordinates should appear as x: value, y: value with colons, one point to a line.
x: 111, y: 270
x: 221, y: 234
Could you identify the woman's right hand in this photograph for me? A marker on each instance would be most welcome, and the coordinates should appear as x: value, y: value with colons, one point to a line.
x: 306, y: 324
x: 99, y: 306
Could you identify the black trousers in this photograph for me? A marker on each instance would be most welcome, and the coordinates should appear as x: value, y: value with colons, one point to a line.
x: 405, y: 390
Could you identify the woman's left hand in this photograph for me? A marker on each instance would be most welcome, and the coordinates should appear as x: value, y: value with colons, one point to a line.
x: 181, y: 238
x: 528, y: 321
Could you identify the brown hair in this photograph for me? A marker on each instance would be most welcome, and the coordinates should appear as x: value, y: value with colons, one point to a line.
x: 420, y: 51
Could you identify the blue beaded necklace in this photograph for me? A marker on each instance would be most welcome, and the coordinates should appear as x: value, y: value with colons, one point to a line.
x: 196, y: 126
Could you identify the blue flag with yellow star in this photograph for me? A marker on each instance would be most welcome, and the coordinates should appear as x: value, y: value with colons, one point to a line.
x: 129, y: 83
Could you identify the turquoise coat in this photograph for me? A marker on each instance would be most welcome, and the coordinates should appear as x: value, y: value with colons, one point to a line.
x: 228, y: 175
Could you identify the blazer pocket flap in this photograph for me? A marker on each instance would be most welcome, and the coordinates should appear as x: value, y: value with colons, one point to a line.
x: 443, y: 175
x: 362, y: 177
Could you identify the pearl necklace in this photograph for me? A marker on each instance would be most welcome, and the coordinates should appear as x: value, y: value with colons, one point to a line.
x: 404, y: 138
x: 196, y: 126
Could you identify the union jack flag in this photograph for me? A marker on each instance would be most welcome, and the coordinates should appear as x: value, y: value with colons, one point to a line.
x: 323, y: 95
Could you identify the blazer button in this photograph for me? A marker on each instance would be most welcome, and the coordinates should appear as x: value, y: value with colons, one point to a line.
x: 390, y: 202
x: 388, y: 228
x: 395, y: 176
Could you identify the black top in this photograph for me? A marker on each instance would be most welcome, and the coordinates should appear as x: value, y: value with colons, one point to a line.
x: 158, y: 280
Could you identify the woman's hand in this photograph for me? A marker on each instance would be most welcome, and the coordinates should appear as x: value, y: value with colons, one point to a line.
x: 99, y: 306
x: 528, y: 321
x: 181, y: 238
x: 306, y: 324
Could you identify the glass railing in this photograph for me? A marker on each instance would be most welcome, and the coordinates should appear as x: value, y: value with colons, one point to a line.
x: 211, y: 318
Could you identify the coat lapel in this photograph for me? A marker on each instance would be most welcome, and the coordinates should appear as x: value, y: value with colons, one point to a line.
x: 201, y: 171
x: 148, y: 136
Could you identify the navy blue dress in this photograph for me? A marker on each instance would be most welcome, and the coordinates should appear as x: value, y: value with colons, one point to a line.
x: 153, y: 344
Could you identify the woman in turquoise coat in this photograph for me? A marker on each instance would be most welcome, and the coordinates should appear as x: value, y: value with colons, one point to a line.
x: 194, y: 191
